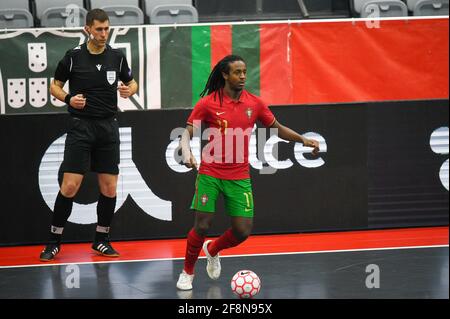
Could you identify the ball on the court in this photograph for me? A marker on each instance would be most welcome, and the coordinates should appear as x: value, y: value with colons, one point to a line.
x: 245, y: 284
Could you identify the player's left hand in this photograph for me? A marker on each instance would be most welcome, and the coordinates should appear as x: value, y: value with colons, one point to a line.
x: 314, y: 144
x: 124, y: 90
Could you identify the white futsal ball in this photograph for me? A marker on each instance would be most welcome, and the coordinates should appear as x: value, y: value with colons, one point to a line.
x: 245, y: 284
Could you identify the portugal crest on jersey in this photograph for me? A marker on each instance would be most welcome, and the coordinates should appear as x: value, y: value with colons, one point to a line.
x: 249, y: 112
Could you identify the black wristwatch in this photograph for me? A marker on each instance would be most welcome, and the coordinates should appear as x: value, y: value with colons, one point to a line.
x: 67, y: 99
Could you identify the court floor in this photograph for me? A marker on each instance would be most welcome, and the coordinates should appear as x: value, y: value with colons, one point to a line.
x: 379, y: 264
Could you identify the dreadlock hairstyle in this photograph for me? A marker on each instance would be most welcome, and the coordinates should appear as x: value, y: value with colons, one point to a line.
x: 216, y: 81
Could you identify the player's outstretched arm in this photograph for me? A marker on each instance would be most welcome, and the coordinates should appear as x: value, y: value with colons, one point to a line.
x: 186, y: 153
x: 288, y: 134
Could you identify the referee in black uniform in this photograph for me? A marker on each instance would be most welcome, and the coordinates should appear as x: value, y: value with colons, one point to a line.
x: 93, y: 70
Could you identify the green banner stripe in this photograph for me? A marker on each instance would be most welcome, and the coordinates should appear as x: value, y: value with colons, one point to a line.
x: 246, y: 42
x: 176, y: 67
x: 201, y: 60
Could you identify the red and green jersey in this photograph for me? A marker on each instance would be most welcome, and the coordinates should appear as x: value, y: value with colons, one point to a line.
x: 226, y: 154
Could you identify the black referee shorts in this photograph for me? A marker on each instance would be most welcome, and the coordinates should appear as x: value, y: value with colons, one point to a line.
x: 92, y: 145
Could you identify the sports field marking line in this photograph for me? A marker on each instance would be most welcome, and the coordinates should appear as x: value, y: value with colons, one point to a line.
x: 226, y: 256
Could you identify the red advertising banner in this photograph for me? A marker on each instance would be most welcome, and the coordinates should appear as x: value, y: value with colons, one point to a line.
x: 333, y: 62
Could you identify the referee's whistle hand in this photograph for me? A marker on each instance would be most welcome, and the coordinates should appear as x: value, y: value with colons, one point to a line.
x: 78, y: 101
x: 124, y: 91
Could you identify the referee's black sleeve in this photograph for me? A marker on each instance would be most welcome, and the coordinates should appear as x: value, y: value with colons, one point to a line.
x: 62, y: 72
x: 125, y: 73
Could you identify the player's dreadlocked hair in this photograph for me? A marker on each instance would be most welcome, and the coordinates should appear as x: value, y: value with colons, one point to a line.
x: 216, y: 81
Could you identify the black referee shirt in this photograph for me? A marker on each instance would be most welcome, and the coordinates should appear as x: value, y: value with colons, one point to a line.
x: 95, y: 76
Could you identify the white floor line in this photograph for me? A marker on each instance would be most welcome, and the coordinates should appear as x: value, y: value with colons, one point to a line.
x: 228, y: 256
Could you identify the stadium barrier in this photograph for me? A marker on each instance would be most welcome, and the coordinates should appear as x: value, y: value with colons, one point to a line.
x: 382, y: 165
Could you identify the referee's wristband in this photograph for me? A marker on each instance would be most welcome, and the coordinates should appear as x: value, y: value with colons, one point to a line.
x: 67, y: 99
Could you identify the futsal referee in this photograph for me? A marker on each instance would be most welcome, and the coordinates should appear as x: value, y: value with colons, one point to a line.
x: 93, y: 70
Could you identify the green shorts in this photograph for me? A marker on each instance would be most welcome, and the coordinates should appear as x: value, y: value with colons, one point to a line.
x: 237, y: 195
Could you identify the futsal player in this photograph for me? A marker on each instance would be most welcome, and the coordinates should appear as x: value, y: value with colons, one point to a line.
x: 226, y: 108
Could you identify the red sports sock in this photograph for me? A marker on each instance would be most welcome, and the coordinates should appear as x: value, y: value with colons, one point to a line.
x: 227, y: 240
x: 193, y: 248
